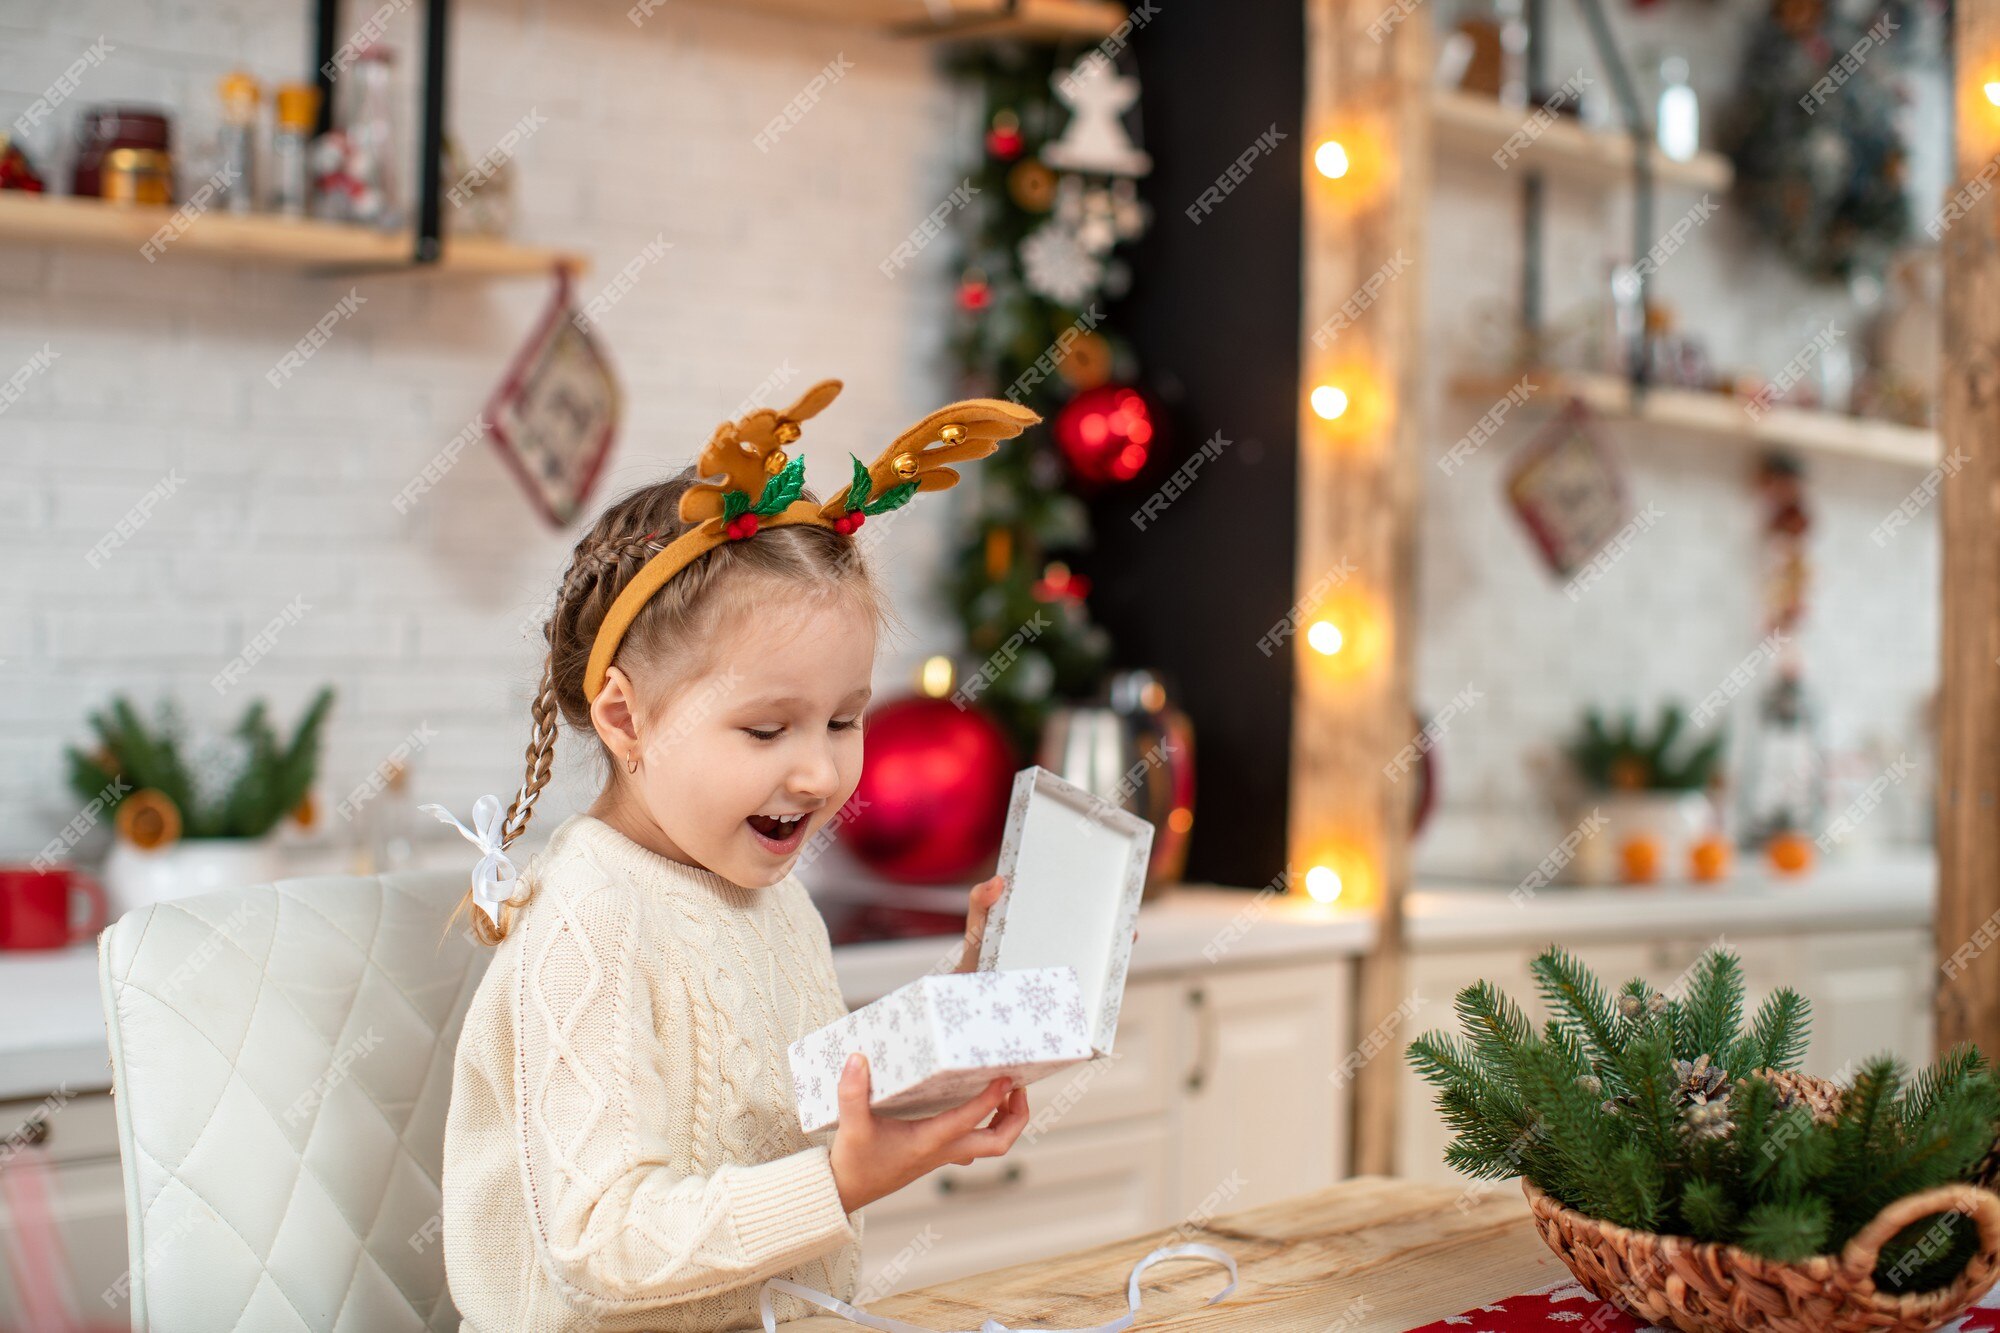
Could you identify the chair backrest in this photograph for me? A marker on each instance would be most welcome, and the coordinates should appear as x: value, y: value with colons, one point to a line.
x: 281, y: 1064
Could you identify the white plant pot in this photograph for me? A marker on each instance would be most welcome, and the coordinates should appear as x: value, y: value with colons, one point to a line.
x: 1674, y: 820
x: 135, y: 878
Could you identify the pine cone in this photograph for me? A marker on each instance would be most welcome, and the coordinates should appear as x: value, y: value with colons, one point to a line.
x: 1700, y: 1082
x: 1820, y: 1095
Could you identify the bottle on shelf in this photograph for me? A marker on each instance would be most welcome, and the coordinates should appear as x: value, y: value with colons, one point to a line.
x: 1679, y: 115
x: 291, y: 180
x: 237, y: 170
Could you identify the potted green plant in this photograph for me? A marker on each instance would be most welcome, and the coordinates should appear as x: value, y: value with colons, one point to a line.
x: 1652, y: 788
x: 193, y: 818
x: 1680, y: 1165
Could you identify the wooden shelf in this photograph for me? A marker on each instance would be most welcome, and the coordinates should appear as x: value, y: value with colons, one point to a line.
x: 1720, y: 416
x: 297, y: 243
x: 956, y: 20
x: 1469, y: 125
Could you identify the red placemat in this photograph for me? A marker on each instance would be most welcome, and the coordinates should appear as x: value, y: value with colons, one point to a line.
x: 1567, y: 1306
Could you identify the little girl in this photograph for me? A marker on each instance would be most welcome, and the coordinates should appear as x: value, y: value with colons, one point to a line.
x: 622, y: 1149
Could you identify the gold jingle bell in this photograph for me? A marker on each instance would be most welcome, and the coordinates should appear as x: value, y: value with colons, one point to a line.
x: 774, y: 462
x: 786, y: 432
x: 906, y: 464
x: 952, y: 433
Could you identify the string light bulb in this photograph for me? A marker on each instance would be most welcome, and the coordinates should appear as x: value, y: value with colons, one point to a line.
x: 1331, y: 159
x: 1325, y: 636
x: 1993, y: 92
x: 1323, y: 884
x: 934, y: 678
x: 1330, y: 401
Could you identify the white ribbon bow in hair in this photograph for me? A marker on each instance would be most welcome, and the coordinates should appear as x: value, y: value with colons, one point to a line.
x: 494, y: 869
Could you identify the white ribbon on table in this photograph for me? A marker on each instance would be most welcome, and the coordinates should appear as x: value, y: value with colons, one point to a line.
x: 494, y: 869
x: 1192, y: 1249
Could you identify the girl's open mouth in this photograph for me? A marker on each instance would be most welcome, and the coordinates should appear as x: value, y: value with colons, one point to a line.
x: 777, y: 835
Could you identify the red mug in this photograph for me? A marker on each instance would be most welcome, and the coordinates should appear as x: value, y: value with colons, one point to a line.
x: 37, y: 907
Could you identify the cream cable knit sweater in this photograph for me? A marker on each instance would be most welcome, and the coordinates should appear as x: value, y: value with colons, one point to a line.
x: 622, y: 1151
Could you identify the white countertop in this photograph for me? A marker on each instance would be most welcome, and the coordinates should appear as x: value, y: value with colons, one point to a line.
x: 1886, y: 890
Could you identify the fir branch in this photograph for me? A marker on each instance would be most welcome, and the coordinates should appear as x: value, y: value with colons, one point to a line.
x: 1577, y: 999
x: 1786, y: 1230
x: 1956, y: 1065
x: 1714, y: 1007
x: 1777, y: 1036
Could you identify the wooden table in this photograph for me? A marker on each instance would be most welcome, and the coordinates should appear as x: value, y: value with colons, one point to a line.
x: 1369, y: 1255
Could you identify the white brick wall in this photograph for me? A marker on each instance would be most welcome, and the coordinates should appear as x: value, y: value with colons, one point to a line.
x: 416, y: 618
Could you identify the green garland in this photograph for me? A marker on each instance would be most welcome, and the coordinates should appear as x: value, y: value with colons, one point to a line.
x: 1656, y: 1112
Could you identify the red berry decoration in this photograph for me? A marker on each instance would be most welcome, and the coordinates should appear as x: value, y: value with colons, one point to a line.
x: 973, y: 293
x: 848, y: 522
x: 743, y: 525
x: 1106, y: 434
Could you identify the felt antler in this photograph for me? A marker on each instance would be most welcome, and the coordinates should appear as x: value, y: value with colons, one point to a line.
x: 749, y: 453
x: 960, y: 432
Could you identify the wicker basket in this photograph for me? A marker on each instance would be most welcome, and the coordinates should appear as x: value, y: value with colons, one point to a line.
x: 1704, y: 1287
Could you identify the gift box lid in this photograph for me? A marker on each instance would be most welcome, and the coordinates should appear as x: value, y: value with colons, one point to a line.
x: 1075, y: 867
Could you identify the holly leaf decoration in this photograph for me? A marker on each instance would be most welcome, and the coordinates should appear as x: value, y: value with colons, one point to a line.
x: 893, y: 498
x: 733, y: 504
x: 782, y: 489
x: 857, y: 493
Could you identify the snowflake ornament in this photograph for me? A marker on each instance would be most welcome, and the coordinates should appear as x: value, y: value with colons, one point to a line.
x: 1057, y: 266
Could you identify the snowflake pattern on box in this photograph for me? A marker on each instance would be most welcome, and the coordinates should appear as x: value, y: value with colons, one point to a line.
x: 935, y: 1043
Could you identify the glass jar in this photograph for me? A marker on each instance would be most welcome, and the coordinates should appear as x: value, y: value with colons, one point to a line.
x: 104, y: 129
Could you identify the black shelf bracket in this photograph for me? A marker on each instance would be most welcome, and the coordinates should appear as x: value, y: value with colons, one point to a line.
x: 1533, y: 200
x: 428, y: 246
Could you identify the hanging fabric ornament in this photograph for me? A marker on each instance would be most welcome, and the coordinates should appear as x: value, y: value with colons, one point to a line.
x: 1094, y: 141
x: 556, y: 413
x: 1004, y: 140
x: 1056, y: 265
x: 1032, y: 185
x: 1106, y: 434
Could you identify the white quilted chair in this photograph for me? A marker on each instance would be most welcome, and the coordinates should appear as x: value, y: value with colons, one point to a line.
x: 281, y: 1063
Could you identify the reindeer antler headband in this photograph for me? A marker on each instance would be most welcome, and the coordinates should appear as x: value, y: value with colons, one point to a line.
x: 760, y: 489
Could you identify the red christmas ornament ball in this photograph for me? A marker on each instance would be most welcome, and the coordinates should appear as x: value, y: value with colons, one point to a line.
x: 1106, y: 434
x: 931, y: 805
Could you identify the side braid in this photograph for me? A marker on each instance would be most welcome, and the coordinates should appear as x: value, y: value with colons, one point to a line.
x: 590, y: 563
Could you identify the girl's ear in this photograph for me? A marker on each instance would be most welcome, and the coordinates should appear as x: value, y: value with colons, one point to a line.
x: 613, y: 715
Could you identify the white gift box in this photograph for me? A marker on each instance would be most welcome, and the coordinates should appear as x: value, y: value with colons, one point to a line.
x: 1050, y: 975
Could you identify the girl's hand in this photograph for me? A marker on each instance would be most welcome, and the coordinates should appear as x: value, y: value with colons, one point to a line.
x: 876, y: 1155
x: 978, y: 904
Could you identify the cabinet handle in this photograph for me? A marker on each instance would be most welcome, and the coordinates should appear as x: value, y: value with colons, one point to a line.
x: 1204, y: 1050
x: 951, y: 1184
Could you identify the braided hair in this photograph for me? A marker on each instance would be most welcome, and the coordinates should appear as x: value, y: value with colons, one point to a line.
x: 670, y: 640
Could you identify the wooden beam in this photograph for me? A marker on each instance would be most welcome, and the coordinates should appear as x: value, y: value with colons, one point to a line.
x: 1367, y: 86
x: 1968, y: 910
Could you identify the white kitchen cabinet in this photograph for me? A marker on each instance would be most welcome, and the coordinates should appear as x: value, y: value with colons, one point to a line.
x: 1218, y: 1095
x: 1870, y: 992
x: 65, y: 1152
x: 1260, y: 1116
